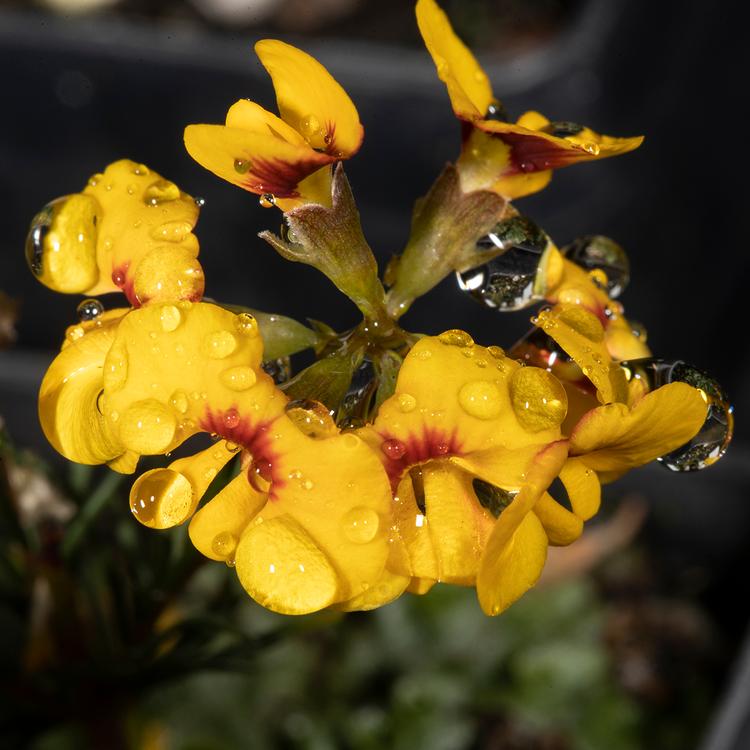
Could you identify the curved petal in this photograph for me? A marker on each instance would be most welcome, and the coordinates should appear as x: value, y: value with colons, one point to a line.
x: 142, y: 214
x: 516, y: 549
x: 468, y: 86
x: 256, y: 162
x: 613, y: 438
x: 310, y: 100
x: 249, y: 116
x: 69, y: 396
x: 583, y: 488
x: 217, y: 527
x: 561, y: 526
x: 580, y: 333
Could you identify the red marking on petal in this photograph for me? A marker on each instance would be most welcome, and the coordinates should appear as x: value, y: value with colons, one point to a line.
x: 281, y: 178
x: 399, y: 455
x: 530, y: 153
x: 121, y: 279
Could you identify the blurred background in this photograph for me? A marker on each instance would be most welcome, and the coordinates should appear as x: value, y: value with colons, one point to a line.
x: 635, y: 650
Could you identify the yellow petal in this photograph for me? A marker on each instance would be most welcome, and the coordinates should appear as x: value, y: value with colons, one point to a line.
x: 468, y: 86
x: 520, y: 185
x: 613, y: 438
x: 282, y: 568
x: 70, y: 408
x: 561, y: 526
x: 142, y: 214
x: 515, y: 552
x: 420, y: 586
x: 310, y: 100
x: 388, y: 587
x: 259, y: 163
x: 580, y: 333
x: 247, y: 115
x: 217, y: 527
x: 583, y: 488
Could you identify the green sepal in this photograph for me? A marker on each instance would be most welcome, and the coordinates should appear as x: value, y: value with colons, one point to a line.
x: 331, y: 240
x: 445, y: 227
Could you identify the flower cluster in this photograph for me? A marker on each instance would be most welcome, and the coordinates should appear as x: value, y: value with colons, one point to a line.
x: 396, y: 460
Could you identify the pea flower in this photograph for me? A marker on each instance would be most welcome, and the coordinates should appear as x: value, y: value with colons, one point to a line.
x: 286, y: 160
x: 513, y: 159
x: 126, y: 228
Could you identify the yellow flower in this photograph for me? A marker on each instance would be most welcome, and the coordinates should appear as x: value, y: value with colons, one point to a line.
x: 306, y: 524
x: 129, y: 230
x: 467, y: 433
x: 513, y: 159
x: 285, y: 159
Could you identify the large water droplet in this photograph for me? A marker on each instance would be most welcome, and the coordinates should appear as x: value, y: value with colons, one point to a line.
x: 238, y: 378
x: 224, y: 544
x: 481, y: 399
x: 311, y: 418
x: 538, y: 399
x: 160, y: 192
x: 89, y: 309
x: 713, y: 439
x: 456, y: 337
x: 507, y: 281
x: 360, y: 525
x: 602, y: 254
x: 38, y: 229
x: 162, y: 498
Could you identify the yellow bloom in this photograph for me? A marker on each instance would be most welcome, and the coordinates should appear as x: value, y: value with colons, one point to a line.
x: 467, y: 433
x: 513, y: 159
x: 129, y: 230
x: 286, y: 159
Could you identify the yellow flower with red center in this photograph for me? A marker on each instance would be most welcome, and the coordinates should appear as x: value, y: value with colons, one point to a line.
x: 129, y: 230
x: 306, y: 524
x: 513, y: 159
x: 286, y: 159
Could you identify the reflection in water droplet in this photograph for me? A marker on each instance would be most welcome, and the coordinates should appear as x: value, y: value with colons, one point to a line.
x: 495, y: 110
x: 267, y: 200
x: 160, y: 192
x: 361, y: 525
x: 712, y: 440
x: 538, y: 399
x: 224, y: 544
x: 311, y: 418
x: 494, y: 499
x: 481, y: 399
x: 89, y: 309
x: 562, y: 128
x: 456, y: 337
x: 600, y: 253
x: 238, y: 378
x: 170, y: 318
x: 509, y: 280
x: 162, y: 498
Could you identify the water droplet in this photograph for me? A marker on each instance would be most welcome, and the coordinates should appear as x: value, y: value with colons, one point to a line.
x: 481, y: 399
x: 170, y: 318
x: 172, y: 231
x: 361, y: 525
x: 95, y: 179
x: 260, y: 474
x: 494, y: 499
x: 267, y: 200
x: 712, y: 440
x: 496, y: 110
x: 231, y: 418
x: 179, y: 401
x: 393, y: 449
x: 219, y: 344
x: 238, y: 378
x: 509, y: 280
x: 538, y: 399
x: 147, y: 427
x: 89, y: 309
x: 562, y: 128
x: 582, y: 321
x: 496, y: 351
x: 200, y: 202
x: 141, y: 169
x: 232, y: 447
x: 638, y: 330
x: 311, y: 418
x: 242, y: 166
x: 279, y: 369
x: 600, y: 253
x: 246, y: 325
x: 162, y: 498
x: 224, y: 544
x: 456, y: 337
x: 160, y: 192
x: 118, y: 278
x: 406, y: 402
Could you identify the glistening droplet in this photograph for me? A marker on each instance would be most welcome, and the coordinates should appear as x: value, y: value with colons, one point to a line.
x: 600, y: 253
x: 89, y: 309
x: 162, y: 498
x: 311, y: 418
x: 360, y: 525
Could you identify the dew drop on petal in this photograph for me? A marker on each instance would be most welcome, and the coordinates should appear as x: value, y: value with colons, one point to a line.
x: 224, y: 544
x: 393, y: 449
x: 246, y: 325
x: 162, y: 498
x: 406, y: 402
x: 456, y: 337
x: 311, y: 418
x: 231, y: 418
x: 360, y: 525
x: 160, y: 191
x: 238, y: 378
x: 538, y: 399
x: 219, y: 344
x: 481, y: 399
x: 170, y: 317
x: 179, y: 401
x: 242, y: 166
